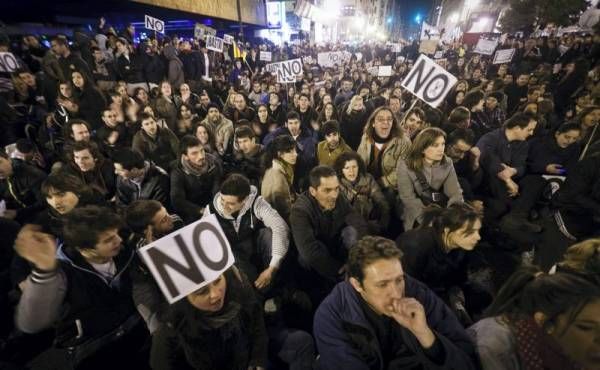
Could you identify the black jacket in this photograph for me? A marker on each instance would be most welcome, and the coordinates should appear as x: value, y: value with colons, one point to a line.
x: 352, y: 126
x: 317, y: 233
x: 189, y: 193
x: 544, y: 151
x: 130, y: 68
x: 155, y: 185
x: 101, y: 178
x: 91, y: 104
x: 187, y: 341
x: 21, y: 191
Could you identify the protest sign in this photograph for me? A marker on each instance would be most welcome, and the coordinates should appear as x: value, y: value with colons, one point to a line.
x: 358, y: 56
x: 503, y: 56
x: 228, y: 39
x: 8, y: 62
x: 189, y: 258
x: 198, y: 31
x: 429, y: 81
x: 214, y: 43
x: 330, y: 59
x: 308, y: 60
x: 438, y: 54
x: 396, y: 48
x: 384, y: 71
x: 154, y: 24
x: 286, y: 71
x: 428, y: 46
x: 265, y: 56
x: 373, y: 71
x: 485, y: 46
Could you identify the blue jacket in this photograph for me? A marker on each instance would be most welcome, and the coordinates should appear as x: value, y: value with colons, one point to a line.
x: 346, y: 340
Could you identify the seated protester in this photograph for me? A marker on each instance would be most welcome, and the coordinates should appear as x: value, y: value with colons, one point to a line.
x: 362, y: 192
x: 276, y: 109
x: 577, y: 203
x: 156, y: 144
x: 88, y: 164
x: 90, y: 100
x: 539, y: 321
x: 138, y: 179
x: 461, y: 149
x: 384, y: 319
x: 308, y: 115
x: 325, y: 227
x: 185, y: 117
x: 110, y: 125
x: 263, y: 123
x: 581, y: 259
x: 353, y: 118
x: 248, y: 156
x: 474, y: 102
x: 195, y: 179
x: 148, y: 221
x: 20, y: 188
x: 277, y: 183
x: 306, y: 144
x: 259, y: 237
x: 437, y: 254
x: 382, y: 145
x: 256, y: 96
x: 333, y: 146
x: 166, y: 105
x: 219, y: 326
x: 75, y: 130
x: 241, y: 110
x: 203, y: 131
x: 221, y: 127
x: 414, y: 122
x: 503, y: 160
x: 460, y: 117
x: 555, y: 154
x: 83, y: 288
x: 426, y: 177
x: 493, y: 116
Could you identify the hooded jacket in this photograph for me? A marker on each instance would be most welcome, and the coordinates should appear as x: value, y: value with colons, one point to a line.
x: 255, y: 213
x: 346, y: 339
x: 175, y: 67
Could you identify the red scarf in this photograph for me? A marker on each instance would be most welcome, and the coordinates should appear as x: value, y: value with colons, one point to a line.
x: 538, y: 350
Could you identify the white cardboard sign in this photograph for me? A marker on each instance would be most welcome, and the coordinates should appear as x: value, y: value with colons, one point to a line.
x: 228, y: 39
x: 384, y: 71
x: 485, y: 47
x: 265, y: 56
x: 154, y: 24
x: 8, y: 62
x: 214, y: 43
x: 189, y: 258
x: 287, y: 70
x: 503, y: 56
x: 331, y: 58
x: 428, y: 81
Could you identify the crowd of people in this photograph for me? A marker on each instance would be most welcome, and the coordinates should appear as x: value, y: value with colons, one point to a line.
x: 369, y: 229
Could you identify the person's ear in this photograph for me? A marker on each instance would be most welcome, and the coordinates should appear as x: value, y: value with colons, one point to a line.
x: 312, y: 191
x: 356, y: 284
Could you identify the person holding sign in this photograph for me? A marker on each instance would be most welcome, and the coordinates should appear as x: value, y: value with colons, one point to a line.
x: 382, y: 318
x: 83, y: 288
x: 219, y: 326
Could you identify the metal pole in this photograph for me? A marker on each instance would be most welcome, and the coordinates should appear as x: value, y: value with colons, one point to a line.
x: 239, y: 12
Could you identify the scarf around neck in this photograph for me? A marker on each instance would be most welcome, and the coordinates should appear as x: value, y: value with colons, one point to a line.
x: 193, y: 169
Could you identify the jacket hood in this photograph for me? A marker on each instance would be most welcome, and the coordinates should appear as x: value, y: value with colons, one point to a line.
x: 247, y: 204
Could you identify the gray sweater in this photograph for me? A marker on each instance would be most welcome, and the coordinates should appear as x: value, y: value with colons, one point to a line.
x: 440, y: 177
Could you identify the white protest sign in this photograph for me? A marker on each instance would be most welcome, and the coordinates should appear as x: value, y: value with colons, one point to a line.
x: 428, y: 81
x: 330, y: 59
x: 154, y: 24
x: 438, y: 54
x: 308, y: 60
x: 228, y: 39
x: 358, y: 56
x: 198, y: 31
x: 428, y: 46
x: 214, y: 43
x: 396, y: 48
x: 189, y: 258
x: 8, y: 62
x: 485, y: 47
x: 503, y: 56
x: 265, y: 56
x: 286, y: 71
x: 384, y: 71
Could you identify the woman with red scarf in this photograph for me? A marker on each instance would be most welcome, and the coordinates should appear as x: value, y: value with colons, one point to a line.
x: 541, y: 322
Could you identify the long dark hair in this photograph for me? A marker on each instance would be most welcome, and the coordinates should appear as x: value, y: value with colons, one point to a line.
x: 422, y: 141
x: 529, y: 290
x: 450, y: 219
x: 282, y: 143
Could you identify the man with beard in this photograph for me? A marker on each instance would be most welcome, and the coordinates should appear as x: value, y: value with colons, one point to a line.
x: 333, y: 146
x: 92, y: 168
x: 221, y: 127
x: 247, y: 159
x: 157, y: 144
x: 194, y: 179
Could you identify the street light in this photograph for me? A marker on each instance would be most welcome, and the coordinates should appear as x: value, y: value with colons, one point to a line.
x: 418, y: 18
x: 453, y: 17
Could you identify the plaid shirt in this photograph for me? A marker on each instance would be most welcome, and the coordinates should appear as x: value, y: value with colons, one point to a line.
x: 491, y: 120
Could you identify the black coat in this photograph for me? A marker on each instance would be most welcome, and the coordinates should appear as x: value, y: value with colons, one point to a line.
x: 155, y: 185
x: 189, y: 193
x: 352, y: 126
x: 21, y: 190
x: 91, y: 104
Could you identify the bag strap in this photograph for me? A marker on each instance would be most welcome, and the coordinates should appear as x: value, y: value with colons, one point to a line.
x: 423, y: 181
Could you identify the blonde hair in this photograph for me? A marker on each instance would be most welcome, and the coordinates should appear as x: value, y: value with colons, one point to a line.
x: 580, y: 256
x: 354, y: 99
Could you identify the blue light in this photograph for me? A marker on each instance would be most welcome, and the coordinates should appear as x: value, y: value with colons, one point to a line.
x: 390, y: 19
x: 418, y: 18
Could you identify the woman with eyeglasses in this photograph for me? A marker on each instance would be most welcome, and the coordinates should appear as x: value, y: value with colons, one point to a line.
x: 426, y: 177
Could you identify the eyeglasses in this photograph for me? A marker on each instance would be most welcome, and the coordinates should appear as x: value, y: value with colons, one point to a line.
x: 383, y: 120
